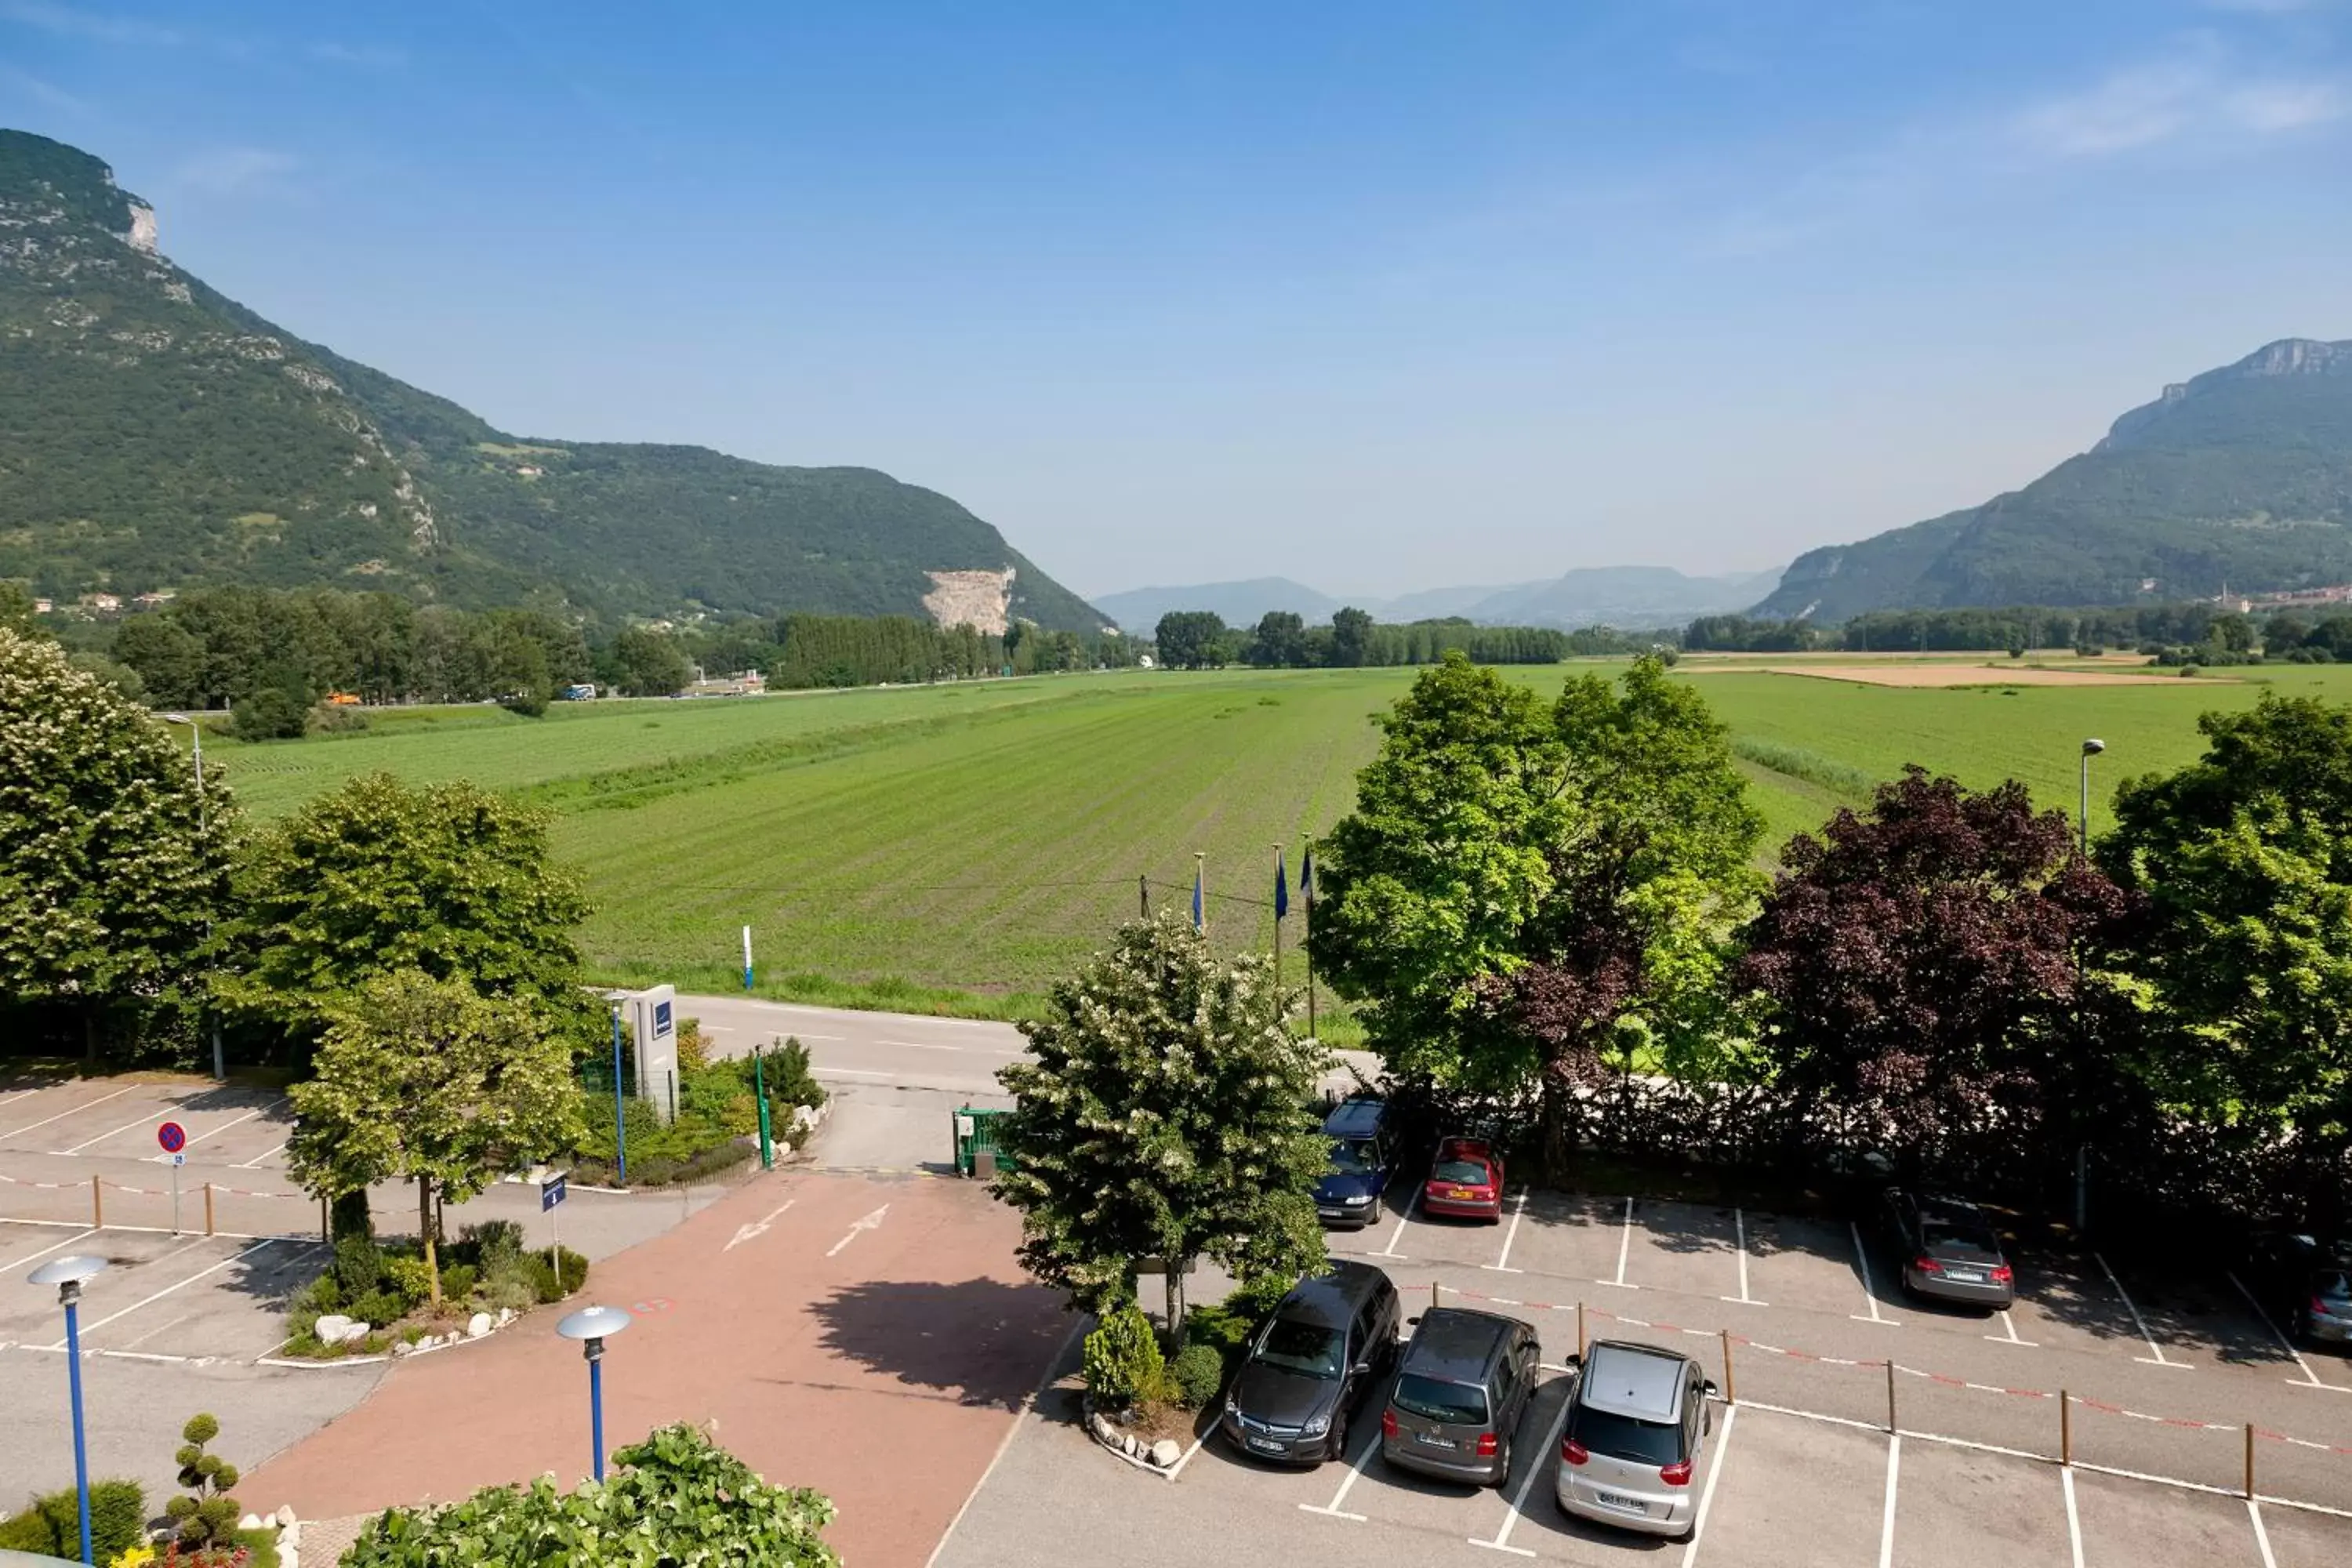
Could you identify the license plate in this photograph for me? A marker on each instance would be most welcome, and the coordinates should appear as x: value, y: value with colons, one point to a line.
x: 1330, y: 1214
x: 1434, y: 1441
x: 1968, y: 1276
x: 1265, y: 1445
x: 1612, y: 1499
x: 1462, y: 1193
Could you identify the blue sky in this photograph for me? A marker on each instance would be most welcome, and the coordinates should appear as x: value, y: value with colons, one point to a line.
x: 1380, y: 296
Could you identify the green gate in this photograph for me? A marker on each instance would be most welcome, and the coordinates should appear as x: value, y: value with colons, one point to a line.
x: 975, y: 1133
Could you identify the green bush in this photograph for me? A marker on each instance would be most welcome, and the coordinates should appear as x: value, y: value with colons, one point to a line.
x: 488, y: 1244
x: 1198, y: 1372
x: 408, y: 1278
x: 321, y: 1295
x: 1221, y: 1329
x: 359, y: 1265
x: 458, y: 1281
x: 545, y: 1287
x: 52, y: 1524
x: 1123, y: 1362
x: 378, y: 1308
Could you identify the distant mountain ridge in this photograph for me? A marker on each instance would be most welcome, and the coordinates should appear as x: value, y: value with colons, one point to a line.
x: 160, y: 435
x: 2239, y: 478
x: 1629, y: 597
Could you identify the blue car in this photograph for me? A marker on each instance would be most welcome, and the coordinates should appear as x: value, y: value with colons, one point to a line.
x: 1362, y: 1157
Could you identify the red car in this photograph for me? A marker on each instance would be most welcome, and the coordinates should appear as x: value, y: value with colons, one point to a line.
x: 1467, y: 1182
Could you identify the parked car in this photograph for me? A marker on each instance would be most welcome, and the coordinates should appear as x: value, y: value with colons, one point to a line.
x: 2306, y: 1283
x: 1362, y: 1158
x: 1462, y: 1385
x: 1465, y: 1181
x: 1635, y: 1452
x: 1949, y: 1250
x: 1313, y: 1365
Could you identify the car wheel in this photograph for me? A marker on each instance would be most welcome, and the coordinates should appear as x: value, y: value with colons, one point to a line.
x: 1339, y: 1434
x: 1503, y: 1471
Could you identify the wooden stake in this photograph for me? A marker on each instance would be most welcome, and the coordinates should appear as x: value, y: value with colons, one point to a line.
x: 97, y: 1207
x: 1432, y: 1295
x: 1579, y: 1328
x: 2066, y: 1428
x: 208, y: 1208
x: 1890, y: 1394
x: 2250, y: 1461
x: 1730, y: 1391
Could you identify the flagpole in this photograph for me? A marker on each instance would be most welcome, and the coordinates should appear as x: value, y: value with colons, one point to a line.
x: 1307, y: 875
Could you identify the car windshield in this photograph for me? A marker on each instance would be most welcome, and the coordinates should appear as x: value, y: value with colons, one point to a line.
x: 1626, y: 1436
x: 1472, y: 1171
x: 1352, y: 1157
x: 1459, y: 1403
x: 1307, y: 1348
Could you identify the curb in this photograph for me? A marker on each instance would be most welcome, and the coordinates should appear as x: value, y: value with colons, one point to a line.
x: 1099, y: 1430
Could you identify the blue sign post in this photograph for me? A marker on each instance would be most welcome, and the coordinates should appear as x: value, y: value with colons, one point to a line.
x: 551, y: 1204
x: 550, y: 1194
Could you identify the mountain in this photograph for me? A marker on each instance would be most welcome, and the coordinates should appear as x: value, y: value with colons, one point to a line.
x: 1628, y: 597
x: 1137, y: 610
x: 161, y: 436
x: 2239, y: 477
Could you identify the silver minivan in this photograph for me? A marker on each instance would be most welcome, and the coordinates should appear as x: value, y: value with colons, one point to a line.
x: 1635, y: 1450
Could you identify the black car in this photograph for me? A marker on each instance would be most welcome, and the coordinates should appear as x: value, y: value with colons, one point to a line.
x: 1949, y: 1250
x: 1312, y: 1366
x: 1460, y: 1390
x: 2303, y: 1283
x: 1363, y: 1157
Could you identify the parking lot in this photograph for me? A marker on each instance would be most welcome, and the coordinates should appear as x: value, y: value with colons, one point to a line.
x: 2160, y: 1377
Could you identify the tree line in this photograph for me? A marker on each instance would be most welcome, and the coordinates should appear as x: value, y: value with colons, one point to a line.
x: 1199, y: 639
x: 2015, y: 630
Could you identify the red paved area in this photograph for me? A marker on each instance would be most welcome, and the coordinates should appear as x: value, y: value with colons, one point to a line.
x: 882, y: 1370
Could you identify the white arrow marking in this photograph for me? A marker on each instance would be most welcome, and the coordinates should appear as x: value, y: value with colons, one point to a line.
x: 744, y: 1232
x: 868, y: 1223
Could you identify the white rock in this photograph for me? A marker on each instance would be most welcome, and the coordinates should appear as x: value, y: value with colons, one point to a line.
x: 284, y: 1516
x: 357, y: 1332
x: 250, y: 1521
x: 1165, y: 1453
x: 403, y: 1348
x: 1127, y: 1445
x: 331, y: 1327
x: 506, y: 1316
x: 478, y: 1325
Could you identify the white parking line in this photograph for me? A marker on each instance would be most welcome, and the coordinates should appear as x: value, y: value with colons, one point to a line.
x: 2309, y: 1378
x: 1502, y: 1541
x: 1707, y: 1493
x: 2008, y: 1336
x: 167, y: 1323
x: 103, y: 1137
x: 1502, y: 1263
x: 61, y: 1115
x: 93, y: 1328
x: 53, y: 1246
x: 918, y: 1045
x: 1355, y: 1473
x: 222, y: 1127
x: 249, y: 1165
x: 1398, y: 1233
x: 2073, y: 1519
x: 1886, y: 1523
x: 1869, y: 1295
x: 1625, y: 1248
x: 1739, y: 1231
x: 2156, y: 1355
x: 2262, y: 1536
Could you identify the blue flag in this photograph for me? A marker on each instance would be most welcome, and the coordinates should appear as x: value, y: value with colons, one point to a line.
x: 1196, y: 895
x: 1307, y: 872
x: 1281, y: 890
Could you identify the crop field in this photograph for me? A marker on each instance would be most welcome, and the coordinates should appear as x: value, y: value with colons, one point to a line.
x: 955, y: 847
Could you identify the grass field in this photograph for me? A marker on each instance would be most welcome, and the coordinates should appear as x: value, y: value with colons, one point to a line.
x: 953, y: 848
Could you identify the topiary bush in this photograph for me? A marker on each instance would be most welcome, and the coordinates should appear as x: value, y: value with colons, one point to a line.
x: 51, y: 1525
x: 1197, y: 1373
x: 1123, y: 1362
x: 206, y: 1514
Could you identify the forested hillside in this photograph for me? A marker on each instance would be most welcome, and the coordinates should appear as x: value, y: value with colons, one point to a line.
x: 163, y: 436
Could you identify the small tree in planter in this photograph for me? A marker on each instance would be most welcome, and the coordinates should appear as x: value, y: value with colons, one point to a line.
x: 206, y: 1514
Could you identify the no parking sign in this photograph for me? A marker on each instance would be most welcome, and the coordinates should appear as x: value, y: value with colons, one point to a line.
x: 172, y: 1137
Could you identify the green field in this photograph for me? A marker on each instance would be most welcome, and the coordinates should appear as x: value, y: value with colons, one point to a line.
x: 955, y: 847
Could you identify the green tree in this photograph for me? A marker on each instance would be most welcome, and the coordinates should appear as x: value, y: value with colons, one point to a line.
x: 2244, y: 858
x: 168, y: 658
x: 430, y: 1081
x: 110, y: 870
x: 650, y: 663
x: 677, y: 1497
x: 1280, y: 642
x: 1165, y: 1116
x: 205, y: 1513
x: 1190, y: 639
x: 1352, y: 636
x: 377, y: 876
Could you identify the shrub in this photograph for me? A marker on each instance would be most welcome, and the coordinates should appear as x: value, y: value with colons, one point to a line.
x: 692, y: 1056
x: 458, y: 1281
x: 542, y: 1276
x: 321, y: 1295
x: 490, y: 1244
x: 359, y: 1265
x: 1197, y: 1372
x: 408, y: 1279
x: 1123, y: 1362
x: 52, y: 1524
x: 378, y: 1308
x: 206, y: 1514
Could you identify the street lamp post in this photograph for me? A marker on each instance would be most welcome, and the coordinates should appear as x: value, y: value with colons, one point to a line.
x: 594, y: 1326
x: 196, y: 734
x: 2090, y: 749
x: 66, y: 1274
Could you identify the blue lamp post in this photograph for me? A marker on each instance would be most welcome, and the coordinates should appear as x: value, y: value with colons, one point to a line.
x: 66, y: 1274
x: 620, y: 1111
x: 594, y: 1325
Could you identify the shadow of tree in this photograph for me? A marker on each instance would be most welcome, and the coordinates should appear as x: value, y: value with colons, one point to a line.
x: 981, y: 1342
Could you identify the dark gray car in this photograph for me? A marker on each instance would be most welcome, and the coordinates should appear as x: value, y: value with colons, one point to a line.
x: 1949, y: 1250
x: 1461, y: 1387
x: 1312, y: 1366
